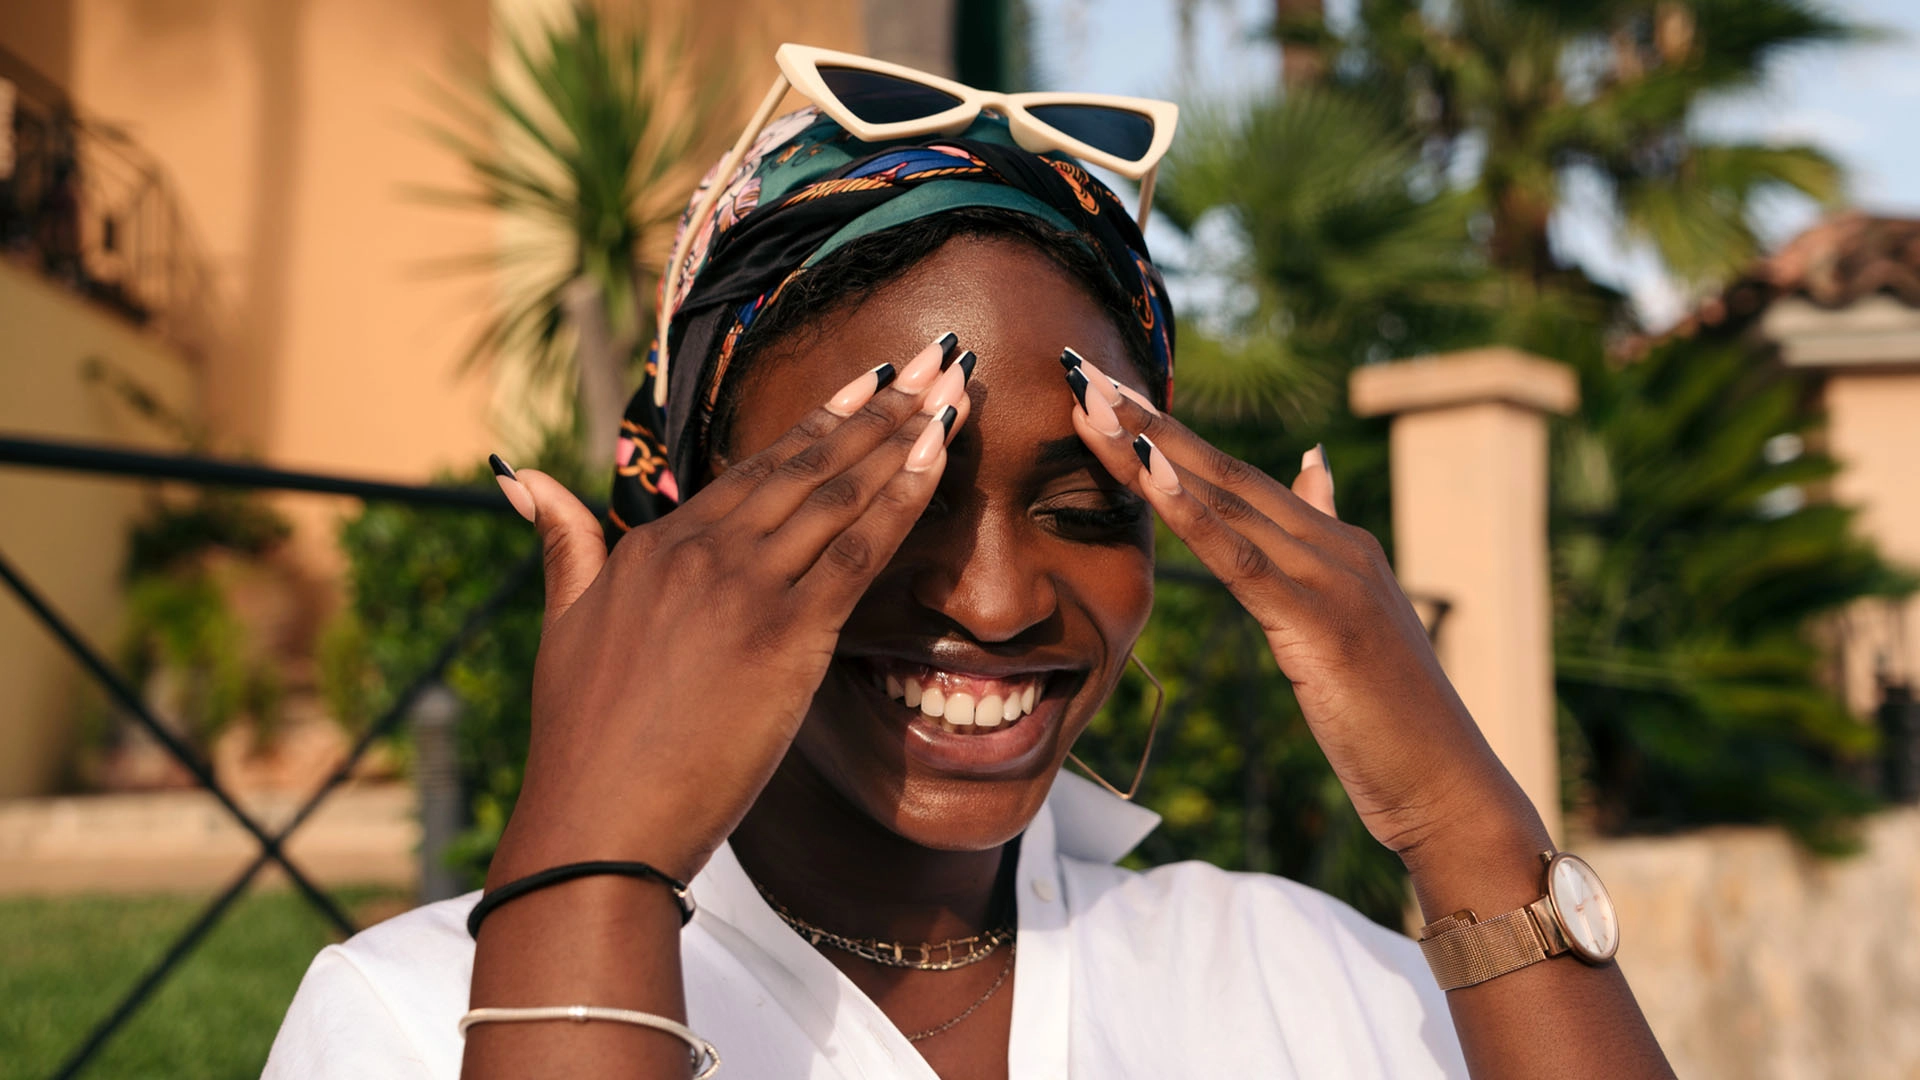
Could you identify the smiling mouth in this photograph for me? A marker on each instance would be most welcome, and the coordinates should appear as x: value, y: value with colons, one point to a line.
x: 957, y: 702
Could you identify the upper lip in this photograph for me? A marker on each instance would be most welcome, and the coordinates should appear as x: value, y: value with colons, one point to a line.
x: 962, y: 660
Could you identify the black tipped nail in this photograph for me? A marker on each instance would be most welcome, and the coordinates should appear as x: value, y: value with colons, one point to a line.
x: 1143, y: 449
x: 1069, y: 359
x: 967, y: 363
x: 501, y: 468
x: 947, y: 341
x: 1077, y: 380
x: 885, y: 373
x: 1321, y: 449
x: 947, y: 416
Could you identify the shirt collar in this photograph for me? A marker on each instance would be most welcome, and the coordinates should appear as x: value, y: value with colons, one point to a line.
x: 1093, y: 824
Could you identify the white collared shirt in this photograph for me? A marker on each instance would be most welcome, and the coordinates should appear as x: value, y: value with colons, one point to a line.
x: 1182, y: 971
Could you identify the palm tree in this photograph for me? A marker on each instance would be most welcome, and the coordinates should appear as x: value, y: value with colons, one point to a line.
x: 1527, y: 93
x: 1401, y: 204
x: 587, y: 140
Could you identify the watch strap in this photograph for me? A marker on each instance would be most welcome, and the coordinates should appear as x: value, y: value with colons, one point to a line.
x: 1464, y: 951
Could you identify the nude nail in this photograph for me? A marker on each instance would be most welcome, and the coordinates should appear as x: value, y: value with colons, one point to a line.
x: 951, y: 386
x: 516, y: 492
x: 1317, y: 457
x: 855, y: 395
x: 923, y: 368
x: 1135, y: 396
x: 1107, y: 387
x: 1099, y: 413
x: 1159, y: 469
x: 932, y: 441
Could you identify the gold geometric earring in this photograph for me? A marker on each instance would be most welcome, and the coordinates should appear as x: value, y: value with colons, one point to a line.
x: 1159, y: 700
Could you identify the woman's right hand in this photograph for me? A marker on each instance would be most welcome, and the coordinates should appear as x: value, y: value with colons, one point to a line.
x: 674, y: 672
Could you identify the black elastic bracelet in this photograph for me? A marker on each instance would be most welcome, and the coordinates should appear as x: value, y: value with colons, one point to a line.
x: 513, y: 890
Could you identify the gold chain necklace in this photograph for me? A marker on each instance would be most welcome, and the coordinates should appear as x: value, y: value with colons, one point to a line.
x: 1012, y: 951
x: 954, y: 953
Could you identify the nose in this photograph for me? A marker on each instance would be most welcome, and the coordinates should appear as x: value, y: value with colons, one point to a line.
x: 984, y: 580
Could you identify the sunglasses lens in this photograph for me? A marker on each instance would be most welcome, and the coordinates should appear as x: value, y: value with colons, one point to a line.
x: 883, y: 99
x: 1125, y: 135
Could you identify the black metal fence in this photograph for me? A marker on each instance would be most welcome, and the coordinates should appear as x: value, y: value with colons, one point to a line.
x: 422, y: 698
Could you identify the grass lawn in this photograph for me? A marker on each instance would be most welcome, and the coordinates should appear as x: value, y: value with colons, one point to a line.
x: 66, y: 961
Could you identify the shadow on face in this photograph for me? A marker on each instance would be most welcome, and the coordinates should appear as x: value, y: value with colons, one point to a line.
x: 1028, y: 578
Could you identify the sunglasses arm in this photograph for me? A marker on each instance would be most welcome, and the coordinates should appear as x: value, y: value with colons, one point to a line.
x: 1146, y: 196
x: 722, y: 177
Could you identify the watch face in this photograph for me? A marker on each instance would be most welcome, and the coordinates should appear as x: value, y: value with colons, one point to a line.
x: 1585, y: 909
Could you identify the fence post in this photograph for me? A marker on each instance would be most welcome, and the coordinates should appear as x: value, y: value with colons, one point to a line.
x: 436, y: 717
x: 1469, y: 466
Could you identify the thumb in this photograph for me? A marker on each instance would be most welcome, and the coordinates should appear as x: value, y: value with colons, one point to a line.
x: 573, y: 546
x: 1314, y: 485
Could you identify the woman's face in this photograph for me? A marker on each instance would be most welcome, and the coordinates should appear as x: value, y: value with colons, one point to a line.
x: 1030, y: 574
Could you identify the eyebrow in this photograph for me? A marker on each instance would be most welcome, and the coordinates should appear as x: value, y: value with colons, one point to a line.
x: 1067, y: 451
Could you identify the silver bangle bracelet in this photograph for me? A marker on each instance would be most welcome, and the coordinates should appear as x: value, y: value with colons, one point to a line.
x: 706, y: 1059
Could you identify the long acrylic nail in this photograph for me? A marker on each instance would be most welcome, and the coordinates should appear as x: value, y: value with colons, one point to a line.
x: 1104, y: 385
x: 924, y: 367
x: 1099, y: 413
x: 516, y: 492
x: 926, y: 450
x: 1159, y: 469
x: 1133, y: 395
x: 949, y: 388
x: 855, y: 395
x: 1069, y: 359
x: 1317, y: 457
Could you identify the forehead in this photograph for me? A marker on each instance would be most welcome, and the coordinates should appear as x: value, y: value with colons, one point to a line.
x: 1008, y: 302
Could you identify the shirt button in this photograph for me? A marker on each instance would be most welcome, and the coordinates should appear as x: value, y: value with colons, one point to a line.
x: 1043, y: 889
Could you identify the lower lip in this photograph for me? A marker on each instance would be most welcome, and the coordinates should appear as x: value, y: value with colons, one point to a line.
x: 1009, y: 750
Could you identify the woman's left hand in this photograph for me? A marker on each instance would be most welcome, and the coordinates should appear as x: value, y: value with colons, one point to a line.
x: 1362, y: 667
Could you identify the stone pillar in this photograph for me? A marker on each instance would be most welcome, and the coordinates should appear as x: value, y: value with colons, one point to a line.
x: 1867, y: 358
x: 1469, y: 461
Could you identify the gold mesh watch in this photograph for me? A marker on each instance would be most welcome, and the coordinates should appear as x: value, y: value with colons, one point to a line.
x: 1574, y: 915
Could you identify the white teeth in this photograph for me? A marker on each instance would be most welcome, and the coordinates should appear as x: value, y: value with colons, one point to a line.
x: 990, y: 712
x: 960, y: 710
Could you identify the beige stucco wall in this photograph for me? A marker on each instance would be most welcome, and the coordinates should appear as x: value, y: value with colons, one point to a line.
x: 66, y: 534
x: 289, y: 132
x: 1873, y: 430
x: 1755, y: 960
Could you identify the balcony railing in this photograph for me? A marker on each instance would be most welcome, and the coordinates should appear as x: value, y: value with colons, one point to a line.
x: 87, y: 206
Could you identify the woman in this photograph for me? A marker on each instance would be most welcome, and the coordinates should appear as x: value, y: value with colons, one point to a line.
x: 907, y: 557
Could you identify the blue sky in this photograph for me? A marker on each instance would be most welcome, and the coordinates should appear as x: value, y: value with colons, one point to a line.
x: 1859, y: 103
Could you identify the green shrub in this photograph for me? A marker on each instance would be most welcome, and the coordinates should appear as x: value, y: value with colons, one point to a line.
x: 414, y: 576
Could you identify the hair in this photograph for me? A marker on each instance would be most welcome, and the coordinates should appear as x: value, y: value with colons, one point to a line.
x: 844, y: 279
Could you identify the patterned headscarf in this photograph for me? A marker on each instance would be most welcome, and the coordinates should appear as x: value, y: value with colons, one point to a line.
x: 805, y: 188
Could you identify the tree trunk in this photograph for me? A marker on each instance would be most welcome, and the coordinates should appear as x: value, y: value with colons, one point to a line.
x: 1300, y: 65
x: 600, y: 362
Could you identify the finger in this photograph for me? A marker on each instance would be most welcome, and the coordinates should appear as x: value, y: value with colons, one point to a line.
x: 835, y: 505
x: 1127, y: 457
x: 850, y: 559
x: 572, y: 545
x: 1194, y: 455
x: 1314, y: 485
x: 824, y: 464
x: 870, y: 397
x: 1244, y: 567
